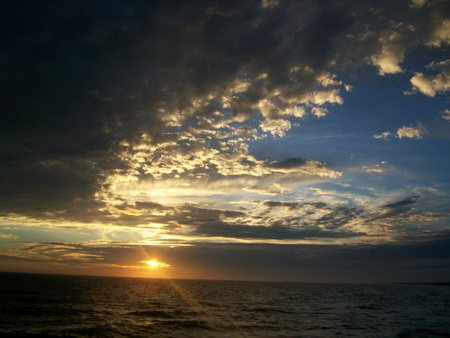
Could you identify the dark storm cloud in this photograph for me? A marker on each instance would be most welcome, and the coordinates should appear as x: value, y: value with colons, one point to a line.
x: 79, y: 77
x: 290, y: 163
x: 274, y: 231
x: 431, y: 22
x: 298, y: 205
x: 110, y: 109
x: 339, y: 216
x: 56, y: 134
x: 289, y: 205
x: 397, y: 208
x: 210, y: 223
x: 33, y: 188
x: 301, y: 165
x: 402, y: 203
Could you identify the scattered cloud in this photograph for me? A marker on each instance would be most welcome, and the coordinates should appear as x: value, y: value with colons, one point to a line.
x: 430, y: 85
x: 446, y: 115
x: 377, y: 168
x: 208, y: 123
x: 385, y: 135
x: 415, y: 132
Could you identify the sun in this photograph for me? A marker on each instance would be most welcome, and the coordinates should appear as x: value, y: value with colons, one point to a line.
x: 154, y: 264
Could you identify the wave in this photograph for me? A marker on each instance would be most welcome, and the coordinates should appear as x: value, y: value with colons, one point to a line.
x: 151, y: 313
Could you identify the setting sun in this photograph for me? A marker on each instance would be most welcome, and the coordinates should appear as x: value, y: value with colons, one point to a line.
x: 155, y: 264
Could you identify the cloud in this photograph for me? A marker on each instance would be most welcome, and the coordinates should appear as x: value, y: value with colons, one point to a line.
x: 441, y: 35
x: 417, y: 3
x: 430, y: 85
x: 276, y: 127
x: 392, y: 52
x: 393, y: 214
x: 436, y: 24
x: 63, y: 253
x: 416, y: 132
x: 377, y: 168
x: 118, y: 117
x: 269, y: 4
x: 56, y: 132
x: 246, y: 131
x: 446, y: 114
x: 385, y: 135
x: 7, y: 236
x: 300, y: 165
x: 273, y: 223
x: 275, y: 232
x: 390, y: 41
x: 289, y: 205
x: 390, y: 262
x: 272, y: 190
x: 320, y: 98
x: 319, y: 111
x: 107, y: 101
x: 339, y: 217
x: 403, y: 202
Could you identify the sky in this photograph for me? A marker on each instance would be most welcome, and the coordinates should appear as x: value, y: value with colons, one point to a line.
x: 285, y: 140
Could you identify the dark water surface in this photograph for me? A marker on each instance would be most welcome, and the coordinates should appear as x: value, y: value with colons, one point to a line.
x: 76, y: 306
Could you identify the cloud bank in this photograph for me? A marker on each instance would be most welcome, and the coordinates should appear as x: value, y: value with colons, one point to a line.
x: 153, y: 124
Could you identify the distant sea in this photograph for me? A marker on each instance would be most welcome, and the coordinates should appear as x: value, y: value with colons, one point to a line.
x: 79, y: 306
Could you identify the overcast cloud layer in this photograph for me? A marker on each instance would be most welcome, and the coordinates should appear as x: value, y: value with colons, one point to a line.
x: 296, y: 133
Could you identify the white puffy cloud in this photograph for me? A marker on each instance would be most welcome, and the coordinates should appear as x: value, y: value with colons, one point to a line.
x: 392, y: 51
x: 246, y: 131
x: 319, y: 111
x: 296, y: 111
x: 222, y: 134
x: 322, y: 97
x: 276, y: 127
x: 416, y: 132
x: 430, y: 85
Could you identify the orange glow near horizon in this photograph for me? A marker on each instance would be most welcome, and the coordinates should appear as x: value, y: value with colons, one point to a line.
x: 154, y: 264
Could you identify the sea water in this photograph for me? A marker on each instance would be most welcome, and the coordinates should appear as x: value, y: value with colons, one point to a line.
x: 80, y: 306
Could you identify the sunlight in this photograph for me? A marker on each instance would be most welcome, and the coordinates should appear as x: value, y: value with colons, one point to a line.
x: 154, y: 264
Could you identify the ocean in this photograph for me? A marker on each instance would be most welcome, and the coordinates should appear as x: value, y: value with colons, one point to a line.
x: 79, y: 306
